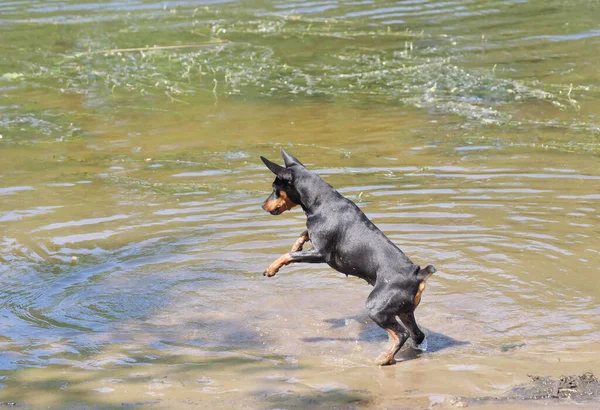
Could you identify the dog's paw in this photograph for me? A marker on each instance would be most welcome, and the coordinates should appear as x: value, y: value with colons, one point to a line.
x: 270, y: 272
x: 385, y: 359
x: 421, y: 346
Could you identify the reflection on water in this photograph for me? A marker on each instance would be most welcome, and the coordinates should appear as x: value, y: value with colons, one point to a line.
x: 466, y: 130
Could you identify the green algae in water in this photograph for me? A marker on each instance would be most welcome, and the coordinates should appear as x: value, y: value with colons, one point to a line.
x: 268, y: 58
x: 38, y: 127
x: 256, y: 54
x: 12, y: 76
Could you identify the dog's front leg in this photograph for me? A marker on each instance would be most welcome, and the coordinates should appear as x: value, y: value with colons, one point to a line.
x: 302, y: 239
x: 309, y: 256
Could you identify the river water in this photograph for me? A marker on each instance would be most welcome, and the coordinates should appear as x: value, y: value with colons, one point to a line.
x: 132, y: 242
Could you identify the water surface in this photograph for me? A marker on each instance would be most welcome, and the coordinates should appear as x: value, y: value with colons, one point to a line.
x: 468, y: 131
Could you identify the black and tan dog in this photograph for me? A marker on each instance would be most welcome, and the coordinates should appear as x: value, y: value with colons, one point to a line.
x: 344, y: 238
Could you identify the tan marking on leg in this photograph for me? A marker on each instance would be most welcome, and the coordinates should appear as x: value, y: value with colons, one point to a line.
x: 387, y: 357
x: 420, y: 290
x: 300, y: 242
x: 274, y: 267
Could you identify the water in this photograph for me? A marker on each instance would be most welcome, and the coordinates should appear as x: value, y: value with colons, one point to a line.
x: 468, y: 131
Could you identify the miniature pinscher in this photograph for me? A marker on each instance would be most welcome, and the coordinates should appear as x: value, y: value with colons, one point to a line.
x: 344, y: 238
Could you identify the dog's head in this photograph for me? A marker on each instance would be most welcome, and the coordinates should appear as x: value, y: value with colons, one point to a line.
x: 284, y: 196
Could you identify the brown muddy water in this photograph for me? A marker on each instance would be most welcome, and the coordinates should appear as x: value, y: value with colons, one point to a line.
x: 469, y: 131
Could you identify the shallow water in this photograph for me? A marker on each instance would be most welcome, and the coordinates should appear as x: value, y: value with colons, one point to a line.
x: 468, y: 131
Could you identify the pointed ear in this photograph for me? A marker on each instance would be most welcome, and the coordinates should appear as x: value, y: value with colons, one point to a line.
x: 278, y: 170
x: 289, y: 160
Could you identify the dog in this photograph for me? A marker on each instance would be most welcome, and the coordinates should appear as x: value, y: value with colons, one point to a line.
x: 344, y: 238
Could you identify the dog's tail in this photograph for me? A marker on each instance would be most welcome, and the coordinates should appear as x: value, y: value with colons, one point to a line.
x: 422, y: 276
x: 425, y: 273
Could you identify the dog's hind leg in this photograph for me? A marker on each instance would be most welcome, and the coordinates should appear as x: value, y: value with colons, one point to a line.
x: 409, y: 321
x: 397, y: 335
x: 302, y: 239
x: 384, y: 315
